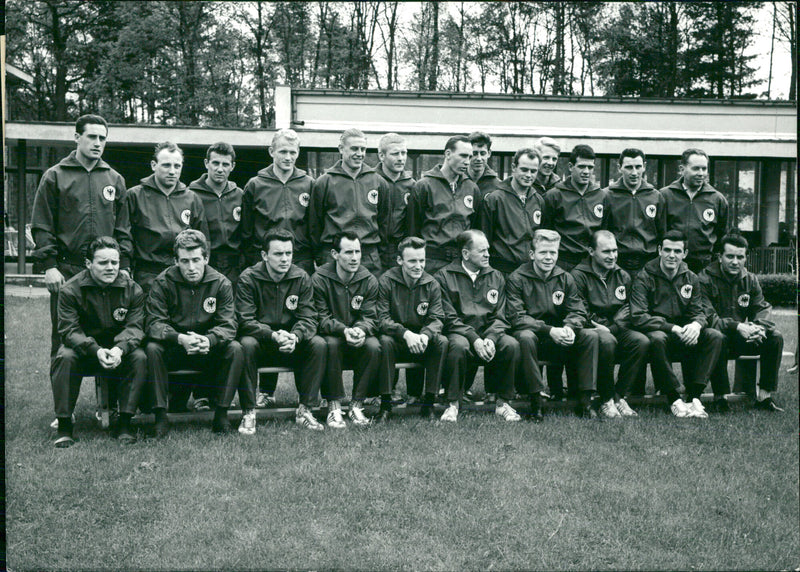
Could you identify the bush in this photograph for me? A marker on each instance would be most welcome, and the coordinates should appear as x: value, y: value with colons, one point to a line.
x: 779, y: 289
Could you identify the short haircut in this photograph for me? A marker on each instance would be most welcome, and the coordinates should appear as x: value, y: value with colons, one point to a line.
x: 352, y: 132
x: 190, y: 239
x: 451, y: 143
x: 169, y: 146
x: 544, y: 235
x: 547, y: 142
x: 674, y: 235
x: 84, y: 120
x: 581, y: 152
x: 528, y: 152
x: 100, y: 243
x: 467, y: 237
x: 632, y: 152
x: 389, y: 139
x: 221, y: 148
x: 734, y: 239
x: 480, y: 138
x: 601, y: 234
x: 276, y: 234
x: 288, y: 135
x: 413, y: 242
x: 692, y: 151
x: 348, y: 234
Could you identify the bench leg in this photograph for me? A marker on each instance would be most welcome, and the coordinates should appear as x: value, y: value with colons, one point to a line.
x: 746, y: 373
x: 101, y: 392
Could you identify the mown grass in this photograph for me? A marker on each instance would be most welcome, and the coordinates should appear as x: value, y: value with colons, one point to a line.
x: 654, y: 493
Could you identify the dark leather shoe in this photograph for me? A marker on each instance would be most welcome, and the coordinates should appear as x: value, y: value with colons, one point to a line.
x: 221, y: 424
x: 126, y: 437
x: 536, y: 409
x: 426, y: 411
x: 162, y: 425
x: 718, y: 406
x: 383, y: 416
x: 587, y: 412
x: 767, y: 405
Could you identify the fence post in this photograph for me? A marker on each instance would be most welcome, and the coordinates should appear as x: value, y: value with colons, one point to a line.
x: 22, y: 204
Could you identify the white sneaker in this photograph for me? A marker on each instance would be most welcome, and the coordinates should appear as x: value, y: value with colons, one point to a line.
x: 680, y: 408
x: 507, y: 413
x: 625, y: 409
x: 335, y: 420
x: 265, y: 400
x: 357, y: 416
x: 450, y: 414
x: 248, y: 424
x: 697, y: 410
x: 609, y: 410
x: 54, y: 424
x: 304, y: 418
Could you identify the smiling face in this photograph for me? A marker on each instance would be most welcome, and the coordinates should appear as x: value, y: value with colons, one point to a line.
x: 348, y: 258
x: 219, y: 168
x: 605, y: 254
x: 412, y: 262
x: 695, y: 171
x: 167, y: 168
x: 192, y: 264
x: 353, y: 151
x: 104, y: 267
x: 549, y: 160
x: 284, y: 154
x: 92, y: 142
x: 671, y: 253
x: 545, y: 255
x: 524, y: 173
x: 477, y: 255
x: 581, y: 172
x: 480, y: 157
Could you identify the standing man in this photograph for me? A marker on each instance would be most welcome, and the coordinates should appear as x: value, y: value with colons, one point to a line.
x: 479, y: 170
x: 100, y: 319
x: 444, y: 204
x: 696, y: 209
x: 351, y: 196
x: 547, y: 178
x: 278, y: 197
x: 77, y: 200
x: 345, y: 296
x: 222, y: 203
x: 548, y: 317
x: 474, y: 306
x: 277, y: 322
x: 410, y: 314
x: 393, y: 154
x: 604, y: 288
x: 159, y: 209
x: 191, y: 324
x: 666, y: 305
x: 510, y: 214
x: 574, y: 207
x: 739, y: 311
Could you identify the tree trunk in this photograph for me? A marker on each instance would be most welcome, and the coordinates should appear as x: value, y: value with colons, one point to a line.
x: 433, y: 63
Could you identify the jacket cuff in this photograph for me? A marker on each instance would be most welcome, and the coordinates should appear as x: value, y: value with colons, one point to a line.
x: 667, y: 327
x: 472, y: 335
x: 546, y: 329
x: 300, y: 334
x: 94, y: 347
x: 49, y: 262
x: 171, y: 337
x: 213, y: 340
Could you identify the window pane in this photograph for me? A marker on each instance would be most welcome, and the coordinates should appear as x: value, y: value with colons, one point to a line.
x: 724, y: 178
x: 745, y: 208
x: 671, y: 170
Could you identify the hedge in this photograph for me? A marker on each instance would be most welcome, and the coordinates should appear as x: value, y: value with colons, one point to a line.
x: 779, y: 289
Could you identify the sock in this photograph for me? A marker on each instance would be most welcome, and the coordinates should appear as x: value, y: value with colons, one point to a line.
x: 161, y: 414
x: 428, y: 399
x: 500, y: 402
x: 386, y: 402
x: 586, y: 398
x: 125, y: 421
x: 65, y: 425
x: 672, y: 396
x: 334, y: 404
x: 454, y: 404
x: 536, y: 402
x: 761, y: 395
x: 357, y: 404
x: 220, y: 412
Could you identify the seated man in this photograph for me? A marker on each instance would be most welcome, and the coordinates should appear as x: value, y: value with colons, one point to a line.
x: 739, y: 311
x: 604, y: 288
x: 100, y: 318
x: 410, y: 314
x: 473, y: 296
x: 277, y: 322
x: 345, y: 296
x: 192, y: 325
x: 666, y: 305
x: 548, y: 317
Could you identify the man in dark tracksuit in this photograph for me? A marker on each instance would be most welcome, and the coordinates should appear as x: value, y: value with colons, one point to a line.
x: 78, y: 200
x: 548, y: 318
x: 393, y: 153
x: 547, y: 178
x: 351, y: 196
x: 696, y: 209
x: 346, y: 296
x: 277, y: 322
x: 222, y: 203
x: 666, y: 305
x: 410, y: 314
x: 737, y: 308
x: 479, y: 170
x: 574, y: 208
x: 159, y: 208
x: 510, y: 214
x: 444, y: 204
x: 191, y: 324
x: 473, y: 296
x: 100, y: 319
x: 604, y: 288
x: 278, y: 197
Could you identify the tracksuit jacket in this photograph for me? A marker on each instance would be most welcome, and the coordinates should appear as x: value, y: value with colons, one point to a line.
x: 703, y: 219
x: 223, y: 215
x: 509, y: 224
x: 575, y: 216
x: 438, y: 214
x: 638, y: 221
x: 401, y: 308
x: 340, y: 305
x: 401, y: 194
x: 269, y: 203
x: 606, y: 298
x: 540, y: 305
x: 488, y: 181
x: 733, y: 301
x: 542, y: 186
x: 474, y: 311
x: 93, y: 315
x: 74, y: 206
x: 659, y: 303
x: 157, y: 218
x: 340, y: 202
x: 175, y: 306
x: 264, y: 306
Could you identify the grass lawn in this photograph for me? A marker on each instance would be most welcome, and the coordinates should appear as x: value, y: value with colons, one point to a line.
x: 650, y: 493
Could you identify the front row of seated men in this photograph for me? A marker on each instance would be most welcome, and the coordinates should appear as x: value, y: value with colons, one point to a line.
x: 466, y: 316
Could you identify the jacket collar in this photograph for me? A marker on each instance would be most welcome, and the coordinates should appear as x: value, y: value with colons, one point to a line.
x: 456, y: 267
x: 505, y: 185
x: 85, y: 279
x: 396, y: 274
x: 677, y: 185
x: 201, y: 184
x: 260, y: 271
x: 404, y: 176
x: 329, y: 271
x: 715, y: 269
x: 174, y: 274
x: 436, y: 173
x: 619, y: 185
x: 269, y: 173
x: 71, y: 161
x: 566, y: 185
x: 529, y: 271
x: 337, y: 169
x: 654, y: 267
x: 150, y: 182
x: 586, y: 266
